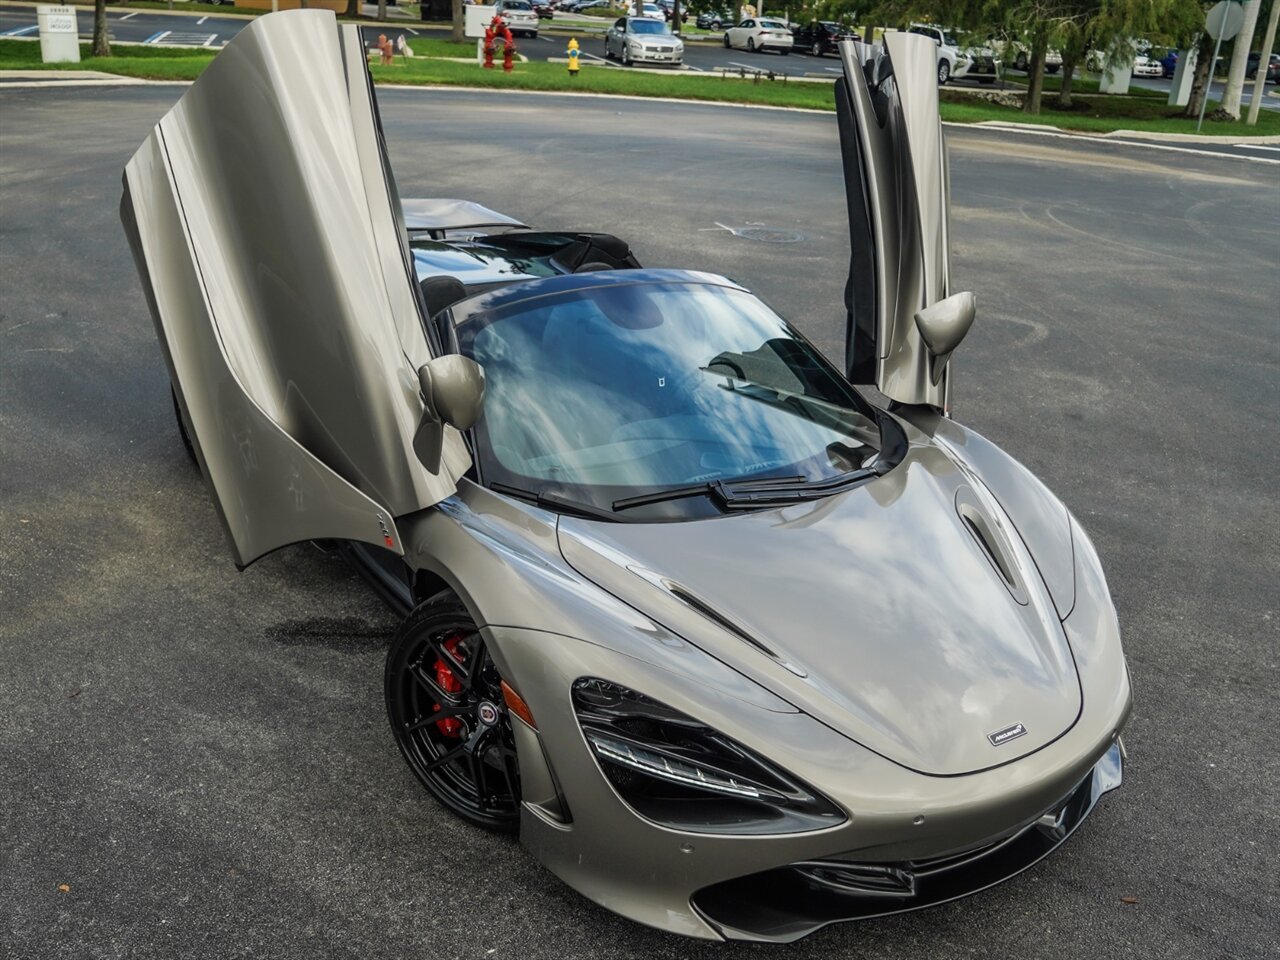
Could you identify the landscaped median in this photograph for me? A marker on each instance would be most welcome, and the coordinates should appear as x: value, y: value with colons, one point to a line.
x: 431, y: 66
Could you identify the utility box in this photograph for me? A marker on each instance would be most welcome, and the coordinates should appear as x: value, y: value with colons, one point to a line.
x: 476, y: 20
x: 59, y: 36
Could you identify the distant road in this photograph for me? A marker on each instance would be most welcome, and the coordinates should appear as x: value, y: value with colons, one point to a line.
x: 175, y: 29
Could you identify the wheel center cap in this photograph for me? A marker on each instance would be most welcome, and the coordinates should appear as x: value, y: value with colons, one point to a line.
x: 487, y: 713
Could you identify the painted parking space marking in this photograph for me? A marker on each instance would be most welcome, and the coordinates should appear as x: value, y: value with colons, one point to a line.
x: 20, y: 31
x: 157, y: 37
x: 128, y: 15
x: 201, y: 20
x: 171, y: 39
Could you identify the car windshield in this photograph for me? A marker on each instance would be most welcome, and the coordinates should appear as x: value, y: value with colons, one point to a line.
x: 516, y: 5
x: 615, y: 390
x: 649, y: 26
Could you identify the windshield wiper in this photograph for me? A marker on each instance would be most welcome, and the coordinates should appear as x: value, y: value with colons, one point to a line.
x: 763, y: 492
x: 720, y: 489
x: 555, y: 503
x: 735, y: 496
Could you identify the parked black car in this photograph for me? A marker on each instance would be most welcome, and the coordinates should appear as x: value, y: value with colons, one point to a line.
x: 668, y: 7
x: 819, y: 37
x: 715, y: 19
x: 1273, y: 67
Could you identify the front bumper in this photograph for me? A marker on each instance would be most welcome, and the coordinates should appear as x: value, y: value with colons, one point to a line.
x: 578, y: 826
x: 787, y: 903
x: 664, y: 57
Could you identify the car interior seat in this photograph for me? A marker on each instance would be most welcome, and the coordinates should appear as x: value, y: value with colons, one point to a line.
x: 440, y: 293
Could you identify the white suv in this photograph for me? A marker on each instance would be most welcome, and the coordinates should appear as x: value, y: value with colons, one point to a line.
x: 978, y: 63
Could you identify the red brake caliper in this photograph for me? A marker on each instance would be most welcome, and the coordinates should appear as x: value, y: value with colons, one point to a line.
x: 450, y: 726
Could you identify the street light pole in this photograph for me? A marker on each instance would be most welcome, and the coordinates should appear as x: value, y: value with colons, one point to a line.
x: 1213, y: 65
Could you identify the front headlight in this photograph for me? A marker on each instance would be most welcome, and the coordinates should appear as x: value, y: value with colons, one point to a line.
x: 678, y: 772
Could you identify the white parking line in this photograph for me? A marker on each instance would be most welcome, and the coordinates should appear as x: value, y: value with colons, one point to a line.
x: 201, y: 20
x: 128, y: 15
x: 1256, y: 146
x: 411, y: 30
x: 20, y: 31
x: 209, y: 42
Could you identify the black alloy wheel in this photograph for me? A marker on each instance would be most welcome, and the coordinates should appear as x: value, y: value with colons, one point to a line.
x: 448, y: 715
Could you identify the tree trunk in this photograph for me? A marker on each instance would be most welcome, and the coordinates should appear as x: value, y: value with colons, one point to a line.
x: 1200, y: 83
x: 1260, y: 80
x: 1069, y: 58
x: 459, y: 23
x: 382, y: 9
x: 1035, y: 82
x: 1240, y: 60
x: 101, y: 42
x: 353, y: 9
x: 675, y: 17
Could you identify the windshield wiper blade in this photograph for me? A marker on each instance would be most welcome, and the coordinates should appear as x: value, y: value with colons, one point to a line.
x: 712, y: 488
x: 555, y: 503
x: 737, y: 496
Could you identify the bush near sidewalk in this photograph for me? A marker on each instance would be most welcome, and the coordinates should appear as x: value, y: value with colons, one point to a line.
x: 1097, y: 114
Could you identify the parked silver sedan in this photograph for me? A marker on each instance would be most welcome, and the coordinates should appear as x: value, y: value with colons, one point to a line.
x: 643, y: 40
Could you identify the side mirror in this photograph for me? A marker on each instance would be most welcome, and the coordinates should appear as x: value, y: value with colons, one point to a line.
x: 942, y: 326
x: 452, y: 391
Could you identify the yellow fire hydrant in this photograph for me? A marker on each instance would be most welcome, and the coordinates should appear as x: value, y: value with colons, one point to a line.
x: 573, y: 56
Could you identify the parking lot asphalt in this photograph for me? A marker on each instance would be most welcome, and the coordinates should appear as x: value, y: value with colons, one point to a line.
x: 194, y: 762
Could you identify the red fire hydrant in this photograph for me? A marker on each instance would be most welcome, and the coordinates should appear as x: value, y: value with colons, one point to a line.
x: 498, y: 28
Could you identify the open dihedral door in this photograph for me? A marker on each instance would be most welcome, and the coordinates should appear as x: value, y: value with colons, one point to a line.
x: 898, y: 194
x: 266, y: 228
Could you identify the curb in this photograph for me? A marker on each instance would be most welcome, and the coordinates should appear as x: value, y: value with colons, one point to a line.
x: 1157, y: 138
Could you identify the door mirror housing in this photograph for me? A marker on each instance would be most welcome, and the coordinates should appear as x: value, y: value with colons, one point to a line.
x: 942, y: 326
x: 452, y: 392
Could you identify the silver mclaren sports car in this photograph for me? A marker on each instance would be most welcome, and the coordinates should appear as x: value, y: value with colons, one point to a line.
x: 742, y: 641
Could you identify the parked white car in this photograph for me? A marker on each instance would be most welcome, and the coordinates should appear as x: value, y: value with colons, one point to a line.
x: 758, y: 34
x: 643, y: 40
x: 977, y: 63
x: 519, y: 16
x: 1144, y: 66
x: 651, y: 11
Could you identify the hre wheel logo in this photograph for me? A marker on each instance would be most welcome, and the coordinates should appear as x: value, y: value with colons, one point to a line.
x: 1007, y: 734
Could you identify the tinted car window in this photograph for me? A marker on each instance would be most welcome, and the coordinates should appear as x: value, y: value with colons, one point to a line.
x: 603, y: 392
x: 650, y: 26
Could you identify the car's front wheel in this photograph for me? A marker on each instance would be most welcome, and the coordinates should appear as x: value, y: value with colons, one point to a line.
x: 727, y: 44
x: 944, y: 72
x: 816, y: 49
x: 751, y: 44
x: 448, y: 714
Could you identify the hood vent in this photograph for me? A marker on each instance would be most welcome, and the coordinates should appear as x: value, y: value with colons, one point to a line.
x: 991, y: 538
x: 696, y: 603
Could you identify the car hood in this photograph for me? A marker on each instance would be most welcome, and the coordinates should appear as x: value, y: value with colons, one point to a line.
x: 878, y: 611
